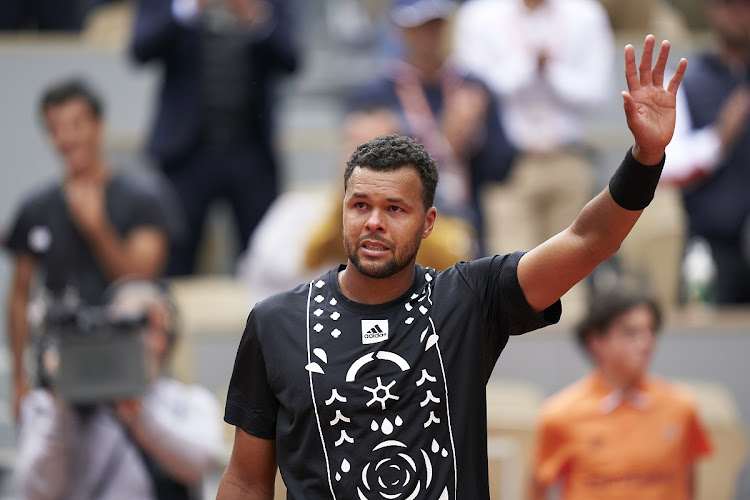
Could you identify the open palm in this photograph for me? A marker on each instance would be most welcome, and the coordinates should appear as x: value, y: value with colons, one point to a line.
x: 649, y: 107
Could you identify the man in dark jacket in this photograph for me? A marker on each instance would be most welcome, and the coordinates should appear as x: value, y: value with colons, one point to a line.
x: 213, y: 129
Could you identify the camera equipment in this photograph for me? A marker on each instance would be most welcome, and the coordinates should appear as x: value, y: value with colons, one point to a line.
x: 89, y: 355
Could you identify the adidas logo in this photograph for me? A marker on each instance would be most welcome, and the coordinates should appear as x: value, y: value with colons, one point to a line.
x: 374, y: 330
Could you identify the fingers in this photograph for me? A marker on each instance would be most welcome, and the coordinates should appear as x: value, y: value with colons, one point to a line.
x: 661, y: 64
x: 628, y: 102
x: 674, y: 82
x: 631, y: 73
x: 646, y: 58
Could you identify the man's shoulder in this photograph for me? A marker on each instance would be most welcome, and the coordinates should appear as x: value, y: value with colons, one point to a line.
x: 575, y: 399
x: 137, y: 182
x: 483, y: 264
x: 287, y: 302
x: 672, y: 394
x: 41, y: 195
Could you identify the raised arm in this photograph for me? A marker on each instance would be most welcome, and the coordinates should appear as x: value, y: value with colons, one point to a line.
x: 251, y: 472
x: 551, y: 269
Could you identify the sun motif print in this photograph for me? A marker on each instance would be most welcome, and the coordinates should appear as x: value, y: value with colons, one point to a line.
x: 380, y: 397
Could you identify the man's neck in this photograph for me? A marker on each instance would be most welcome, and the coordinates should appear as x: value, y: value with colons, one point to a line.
x: 618, y: 381
x: 96, y: 171
x: 429, y: 70
x: 366, y: 290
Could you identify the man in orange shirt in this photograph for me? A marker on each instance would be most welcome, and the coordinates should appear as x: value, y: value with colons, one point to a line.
x: 619, y: 433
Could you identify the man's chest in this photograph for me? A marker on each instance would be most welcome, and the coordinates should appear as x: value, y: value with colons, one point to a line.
x: 375, y: 384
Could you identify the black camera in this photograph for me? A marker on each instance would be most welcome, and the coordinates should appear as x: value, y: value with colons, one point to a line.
x: 90, y: 355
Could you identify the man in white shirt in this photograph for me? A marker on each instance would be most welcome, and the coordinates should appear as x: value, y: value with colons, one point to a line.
x: 550, y: 62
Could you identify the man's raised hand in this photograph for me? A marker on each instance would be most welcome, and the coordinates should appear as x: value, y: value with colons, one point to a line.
x: 649, y: 107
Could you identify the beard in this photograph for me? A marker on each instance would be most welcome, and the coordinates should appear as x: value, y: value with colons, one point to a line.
x: 400, y: 260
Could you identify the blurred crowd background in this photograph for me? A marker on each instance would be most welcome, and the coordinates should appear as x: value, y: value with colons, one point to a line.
x: 317, y: 93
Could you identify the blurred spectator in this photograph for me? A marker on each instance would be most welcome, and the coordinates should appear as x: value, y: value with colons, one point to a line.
x: 619, y: 433
x: 635, y: 15
x: 452, y: 113
x: 550, y: 62
x: 158, y: 446
x: 94, y: 226
x: 42, y: 15
x: 709, y: 157
x: 214, y: 131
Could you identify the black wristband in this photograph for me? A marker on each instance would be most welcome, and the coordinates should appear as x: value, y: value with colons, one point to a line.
x: 633, y: 184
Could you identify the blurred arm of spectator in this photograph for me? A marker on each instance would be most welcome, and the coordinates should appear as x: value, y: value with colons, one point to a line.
x: 141, y: 254
x: 18, y: 325
x: 510, y: 67
x: 463, y: 117
x: 44, y: 441
x: 158, y: 24
x: 694, y: 154
x: 185, y: 445
x: 488, y: 148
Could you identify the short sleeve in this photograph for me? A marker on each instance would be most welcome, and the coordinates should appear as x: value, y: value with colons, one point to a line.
x: 251, y: 405
x: 698, y: 439
x: 495, y: 279
x: 17, y: 240
x: 158, y: 207
x: 551, y: 452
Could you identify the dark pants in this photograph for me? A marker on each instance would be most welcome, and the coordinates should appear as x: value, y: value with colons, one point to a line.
x: 241, y: 175
x: 732, y: 272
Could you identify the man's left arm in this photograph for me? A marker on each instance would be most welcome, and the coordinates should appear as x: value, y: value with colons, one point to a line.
x: 551, y: 269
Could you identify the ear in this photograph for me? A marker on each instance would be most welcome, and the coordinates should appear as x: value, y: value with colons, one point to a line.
x: 429, y: 222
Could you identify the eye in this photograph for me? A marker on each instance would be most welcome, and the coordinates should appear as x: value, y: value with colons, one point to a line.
x: 394, y: 208
x: 360, y: 204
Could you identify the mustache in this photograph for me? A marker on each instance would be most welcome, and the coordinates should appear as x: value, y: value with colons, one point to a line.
x: 379, y: 239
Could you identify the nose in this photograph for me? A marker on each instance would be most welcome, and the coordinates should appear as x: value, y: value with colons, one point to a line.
x: 374, y: 222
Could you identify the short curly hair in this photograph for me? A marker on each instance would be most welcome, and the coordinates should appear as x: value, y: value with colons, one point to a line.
x: 392, y: 152
x: 607, y: 307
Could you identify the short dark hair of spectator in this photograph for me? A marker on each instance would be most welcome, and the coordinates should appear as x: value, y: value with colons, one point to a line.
x: 607, y: 307
x: 392, y: 152
x: 59, y: 93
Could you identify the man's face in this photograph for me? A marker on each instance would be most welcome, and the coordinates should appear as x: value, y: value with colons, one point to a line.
x: 384, y: 220
x: 426, y: 41
x: 731, y: 19
x: 625, y: 349
x: 75, y: 133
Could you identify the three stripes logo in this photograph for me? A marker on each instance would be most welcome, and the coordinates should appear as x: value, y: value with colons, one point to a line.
x: 374, y: 331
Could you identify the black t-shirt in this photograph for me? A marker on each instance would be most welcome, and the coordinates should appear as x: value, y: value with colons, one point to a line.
x: 43, y: 229
x: 381, y: 401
